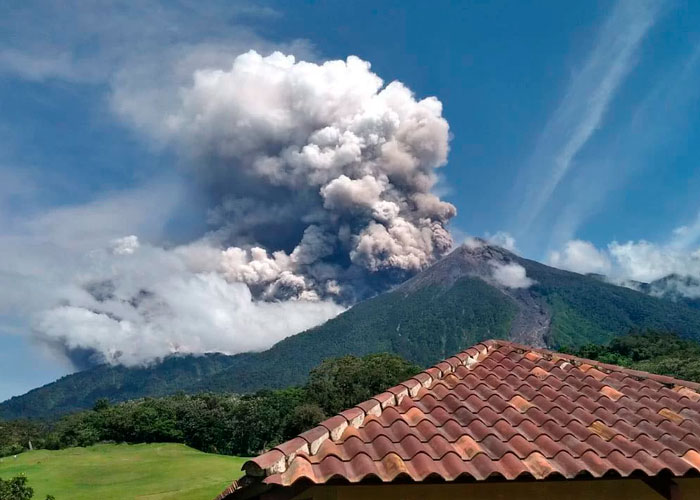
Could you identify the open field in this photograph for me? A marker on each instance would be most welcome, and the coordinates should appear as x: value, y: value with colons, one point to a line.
x: 108, y: 471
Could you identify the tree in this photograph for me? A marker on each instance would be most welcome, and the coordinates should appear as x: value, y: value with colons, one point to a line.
x: 101, y: 404
x: 303, y: 417
x: 17, y: 489
x: 340, y: 383
x: 650, y: 351
x: 220, y: 423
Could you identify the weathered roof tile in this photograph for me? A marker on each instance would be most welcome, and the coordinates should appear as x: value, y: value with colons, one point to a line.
x: 503, y: 410
x: 315, y: 437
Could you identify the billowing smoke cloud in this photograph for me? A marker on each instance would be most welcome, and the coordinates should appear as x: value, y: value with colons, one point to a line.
x: 320, y: 175
x: 318, y: 179
x: 137, y: 302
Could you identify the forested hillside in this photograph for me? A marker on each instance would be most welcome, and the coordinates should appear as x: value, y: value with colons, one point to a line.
x: 224, y: 423
x: 422, y: 327
x: 442, y: 310
x: 655, y: 352
x: 244, y: 425
x: 587, y: 310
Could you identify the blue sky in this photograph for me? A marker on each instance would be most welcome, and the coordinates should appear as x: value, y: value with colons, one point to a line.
x: 575, y: 128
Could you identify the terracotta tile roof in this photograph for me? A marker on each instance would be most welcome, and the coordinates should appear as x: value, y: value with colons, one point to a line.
x: 500, y: 410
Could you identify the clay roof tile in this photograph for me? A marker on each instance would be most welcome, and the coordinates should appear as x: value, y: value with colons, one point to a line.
x: 499, y: 409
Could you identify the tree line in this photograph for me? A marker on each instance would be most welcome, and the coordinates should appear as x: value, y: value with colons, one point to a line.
x: 245, y: 425
x: 217, y: 423
x: 649, y: 351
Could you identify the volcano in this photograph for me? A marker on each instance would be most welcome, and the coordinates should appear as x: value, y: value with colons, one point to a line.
x: 457, y: 302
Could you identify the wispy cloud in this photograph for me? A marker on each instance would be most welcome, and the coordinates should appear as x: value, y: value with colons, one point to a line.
x: 685, y: 237
x: 583, y: 107
x: 115, y: 42
x: 635, y: 149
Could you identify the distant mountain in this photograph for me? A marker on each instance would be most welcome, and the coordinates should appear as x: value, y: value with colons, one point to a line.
x: 682, y: 289
x: 458, y: 301
x: 674, y: 287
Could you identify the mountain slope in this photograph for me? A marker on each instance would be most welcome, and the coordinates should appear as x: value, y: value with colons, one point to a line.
x: 80, y: 390
x: 683, y: 289
x: 449, y: 306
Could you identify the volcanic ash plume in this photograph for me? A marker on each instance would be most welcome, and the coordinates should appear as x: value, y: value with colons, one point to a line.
x: 318, y: 179
x: 320, y: 175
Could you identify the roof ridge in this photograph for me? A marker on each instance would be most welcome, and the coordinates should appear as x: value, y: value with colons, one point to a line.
x: 277, y: 459
x: 577, y: 360
x: 595, y: 381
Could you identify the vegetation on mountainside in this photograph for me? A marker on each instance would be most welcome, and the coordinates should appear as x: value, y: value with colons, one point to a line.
x: 422, y: 327
x: 16, y: 435
x: 115, y: 472
x: 226, y: 424
x: 655, y: 352
x: 587, y: 310
x: 340, y: 383
x: 422, y: 324
x: 117, y: 383
x: 248, y: 424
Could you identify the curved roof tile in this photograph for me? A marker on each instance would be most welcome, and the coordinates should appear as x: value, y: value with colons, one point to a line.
x: 499, y: 409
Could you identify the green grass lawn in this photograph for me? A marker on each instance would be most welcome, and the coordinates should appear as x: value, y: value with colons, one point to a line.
x: 109, y: 471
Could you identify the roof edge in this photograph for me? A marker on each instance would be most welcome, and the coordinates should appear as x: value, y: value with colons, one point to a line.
x: 278, y: 459
x: 576, y: 360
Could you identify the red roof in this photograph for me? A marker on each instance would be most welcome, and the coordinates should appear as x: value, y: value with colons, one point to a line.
x: 499, y: 410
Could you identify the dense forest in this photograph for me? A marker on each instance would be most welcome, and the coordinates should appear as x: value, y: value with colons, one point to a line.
x: 655, y: 352
x: 247, y: 424
x: 218, y: 423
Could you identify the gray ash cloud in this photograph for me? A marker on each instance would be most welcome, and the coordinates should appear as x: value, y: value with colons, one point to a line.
x: 319, y: 179
x: 320, y: 174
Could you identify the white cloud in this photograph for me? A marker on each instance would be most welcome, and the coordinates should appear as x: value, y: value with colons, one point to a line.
x: 42, y: 251
x: 125, y: 245
x: 686, y: 236
x: 631, y: 262
x: 148, y: 304
x: 645, y: 261
x: 81, y: 287
x: 631, y: 150
x: 511, y: 275
x: 37, y: 66
x: 110, y: 40
x: 472, y: 242
x: 581, y: 257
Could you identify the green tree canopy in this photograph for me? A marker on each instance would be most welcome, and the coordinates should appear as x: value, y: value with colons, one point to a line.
x: 17, y: 488
x: 650, y: 351
x: 340, y: 383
